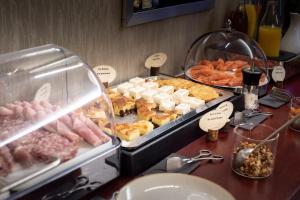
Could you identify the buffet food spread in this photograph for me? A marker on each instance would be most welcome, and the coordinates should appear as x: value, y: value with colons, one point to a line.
x: 154, y: 103
x: 77, y: 122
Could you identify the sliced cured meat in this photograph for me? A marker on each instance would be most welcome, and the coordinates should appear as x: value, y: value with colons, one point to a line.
x: 40, y: 115
x: 67, y: 121
x: 50, y: 128
x: 26, y: 104
x: 7, y: 157
x: 83, y: 131
x: 5, y: 111
x: 4, y: 169
x: 54, y: 146
x: 19, y: 110
x: 66, y: 132
x: 94, y: 128
x: 23, y: 156
x: 46, y: 104
x: 29, y: 113
x: 36, y: 106
x: 10, y: 106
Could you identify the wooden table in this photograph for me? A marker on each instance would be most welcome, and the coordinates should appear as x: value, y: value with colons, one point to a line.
x: 283, y: 184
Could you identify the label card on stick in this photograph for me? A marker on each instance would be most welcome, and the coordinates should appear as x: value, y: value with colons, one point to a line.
x: 106, y: 73
x: 43, y: 93
x: 226, y: 107
x: 156, y: 60
x: 213, y: 120
x: 278, y: 73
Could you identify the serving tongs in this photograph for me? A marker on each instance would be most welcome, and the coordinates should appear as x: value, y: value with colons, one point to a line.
x: 281, y: 94
x: 5, y: 186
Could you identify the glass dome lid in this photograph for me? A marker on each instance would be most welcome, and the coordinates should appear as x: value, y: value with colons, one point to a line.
x: 217, y: 58
x: 54, y: 116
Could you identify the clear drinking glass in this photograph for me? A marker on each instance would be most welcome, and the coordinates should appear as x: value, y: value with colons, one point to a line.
x: 294, y: 110
x: 260, y: 163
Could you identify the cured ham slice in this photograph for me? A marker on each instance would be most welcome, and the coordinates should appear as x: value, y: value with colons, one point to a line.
x: 66, y: 132
x: 26, y: 104
x: 19, y: 110
x: 94, y: 128
x: 6, y: 161
x: 46, y: 104
x: 5, y: 111
x: 83, y: 131
x: 67, y: 121
x: 29, y: 113
x: 23, y: 156
x: 36, y: 106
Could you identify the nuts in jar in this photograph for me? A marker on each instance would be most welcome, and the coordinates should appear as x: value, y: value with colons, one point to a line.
x: 259, y: 163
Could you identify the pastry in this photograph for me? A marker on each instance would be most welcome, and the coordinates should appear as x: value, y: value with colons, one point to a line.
x: 149, y: 94
x: 160, y: 97
x: 127, y: 132
x: 113, y: 92
x: 172, y: 114
x: 136, y: 92
x: 167, y: 105
x: 137, y: 81
x: 144, y: 103
x: 183, y: 108
x: 144, y: 113
x: 122, y: 105
x: 168, y: 89
x: 179, y: 95
x: 124, y: 87
x: 160, y: 119
x: 143, y: 126
x: 178, y: 83
x: 193, y: 102
x: 150, y: 85
x: 205, y: 93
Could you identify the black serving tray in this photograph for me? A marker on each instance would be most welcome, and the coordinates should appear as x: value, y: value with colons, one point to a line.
x: 135, y: 161
x: 160, y: 131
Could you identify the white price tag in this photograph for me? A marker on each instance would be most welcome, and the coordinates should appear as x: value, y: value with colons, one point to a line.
x: 43, y: 93
x: 226, y: 107
x: 106, y: 73
x: 156, y: 60
x: 213, y: 120
x: 278, y: 73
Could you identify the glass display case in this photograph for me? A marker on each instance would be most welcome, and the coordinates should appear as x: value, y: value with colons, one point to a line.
x: 217, y: 59
x: 55, y: 117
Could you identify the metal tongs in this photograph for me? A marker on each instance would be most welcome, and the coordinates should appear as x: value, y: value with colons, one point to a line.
x: 82, y: 183
x: 176, y: 163
x: 281, y: 94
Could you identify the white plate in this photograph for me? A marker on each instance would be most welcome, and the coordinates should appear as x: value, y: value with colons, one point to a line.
x: 173, y: 186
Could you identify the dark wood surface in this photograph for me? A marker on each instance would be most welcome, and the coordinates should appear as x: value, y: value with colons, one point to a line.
x: 283, y: 184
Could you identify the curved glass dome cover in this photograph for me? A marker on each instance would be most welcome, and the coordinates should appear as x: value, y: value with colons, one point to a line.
x: 51, y: 105
x: 217, y: 58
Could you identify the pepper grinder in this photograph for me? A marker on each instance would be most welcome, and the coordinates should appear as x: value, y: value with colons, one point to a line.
x: 251, y: 78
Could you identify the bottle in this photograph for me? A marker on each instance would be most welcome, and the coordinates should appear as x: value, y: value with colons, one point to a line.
x: 146, y: 4
x: 137, y: 5
x: 252, y: 18
x: 269, y: 34
x: 251, y: 78
x: 291, y: 40
x: 239, y: 19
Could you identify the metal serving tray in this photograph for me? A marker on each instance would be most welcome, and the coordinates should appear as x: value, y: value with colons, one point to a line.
x: 157, y: 132
x: 84, y: 160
